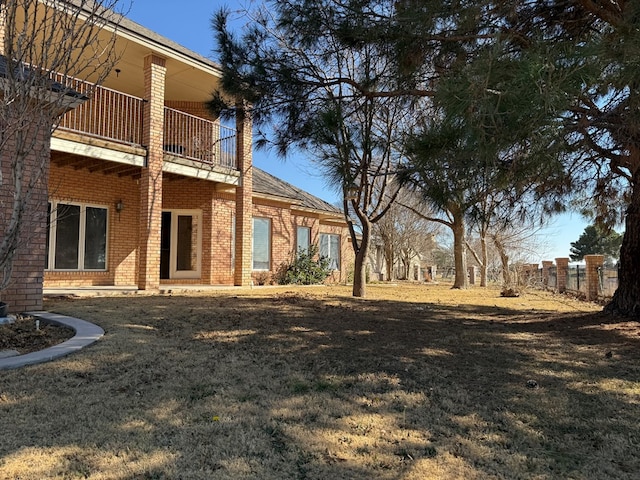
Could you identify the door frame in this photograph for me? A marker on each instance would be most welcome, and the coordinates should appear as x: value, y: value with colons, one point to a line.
x: 173, y: 248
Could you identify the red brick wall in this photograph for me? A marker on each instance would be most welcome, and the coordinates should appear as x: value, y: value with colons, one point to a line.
x: 243, y: 201
x: 197, y: 109
x: 24, y: 292
x: 284, y: 225
x: 151, y: 180
x: 79, y: 185
x: 221, y: 240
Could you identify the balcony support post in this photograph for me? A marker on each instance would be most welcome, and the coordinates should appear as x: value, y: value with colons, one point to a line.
x: 244, y: 193
x: 151, y: 179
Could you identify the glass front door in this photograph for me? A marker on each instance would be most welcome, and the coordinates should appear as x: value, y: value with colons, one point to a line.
x: 180, y: 244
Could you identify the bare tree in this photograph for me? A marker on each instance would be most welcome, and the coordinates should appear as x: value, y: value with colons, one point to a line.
x: 515, y: 243
x: 405, y: 235
x: 47, y: 47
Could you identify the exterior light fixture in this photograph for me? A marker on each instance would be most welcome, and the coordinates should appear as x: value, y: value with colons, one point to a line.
x: 119, y: 206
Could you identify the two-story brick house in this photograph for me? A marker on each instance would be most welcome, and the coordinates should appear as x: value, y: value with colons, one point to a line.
x: 147, y: 188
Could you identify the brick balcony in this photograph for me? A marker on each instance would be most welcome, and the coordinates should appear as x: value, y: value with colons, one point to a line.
x: 117, y: 117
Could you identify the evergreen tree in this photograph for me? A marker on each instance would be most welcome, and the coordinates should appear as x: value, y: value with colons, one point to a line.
x: 305, y: 73
x: 570, y: 69
x: 596, y: 47
x: 595, y: 240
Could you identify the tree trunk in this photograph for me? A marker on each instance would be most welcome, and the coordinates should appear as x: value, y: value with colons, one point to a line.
x: 485, y: 259
x: 626, y: 300
x: 459, y: 252
x: 504, y: 260
x: 359, y: 273
x: 406, y: 266
x: 389, y: 260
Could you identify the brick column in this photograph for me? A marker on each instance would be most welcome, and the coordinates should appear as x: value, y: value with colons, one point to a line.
x: 244, y: 194
x: 562, y: 265
x: 151, y: 179
x: 546, y: 265
x: 594, y: 263
x: 24, y: 291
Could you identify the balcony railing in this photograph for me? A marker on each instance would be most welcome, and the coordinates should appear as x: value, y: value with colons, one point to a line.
x: 116, y: 116
x: 198, y: 139
x: 109, y: 114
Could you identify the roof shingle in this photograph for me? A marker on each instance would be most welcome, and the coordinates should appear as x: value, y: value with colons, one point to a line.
x: 266, y: 183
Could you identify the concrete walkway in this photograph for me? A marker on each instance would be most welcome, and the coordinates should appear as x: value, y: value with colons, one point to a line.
x: 106, y: 291
x: 86, y: 334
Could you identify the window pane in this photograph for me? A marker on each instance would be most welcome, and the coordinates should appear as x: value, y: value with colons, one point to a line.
x: 303, y: 235
x: 335, y: 251
x: 95, y: 242
x: 187, y: 247
x: 330, y: 248
x: 261, y: 243
x: 67, y: 236
x: 324, y: 245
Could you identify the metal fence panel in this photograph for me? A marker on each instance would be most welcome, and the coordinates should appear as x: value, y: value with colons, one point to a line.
x: 608, y: 281
x: 553, y: 277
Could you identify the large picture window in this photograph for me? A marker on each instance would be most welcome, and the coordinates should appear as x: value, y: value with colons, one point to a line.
x: 330, y: 249
x: 77, y: 237
x: 261, y: 244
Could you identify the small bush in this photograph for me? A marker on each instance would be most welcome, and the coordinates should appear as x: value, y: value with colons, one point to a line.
x: 306, y: 269
x: 262, y: 278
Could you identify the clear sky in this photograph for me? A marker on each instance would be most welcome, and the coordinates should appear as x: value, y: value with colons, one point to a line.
x: 188, y: 22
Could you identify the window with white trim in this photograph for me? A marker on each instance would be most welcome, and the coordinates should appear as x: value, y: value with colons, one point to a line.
x: 261, y: 248
x: 330, y: 249
x: 76, y: 237
x: 303, y: 239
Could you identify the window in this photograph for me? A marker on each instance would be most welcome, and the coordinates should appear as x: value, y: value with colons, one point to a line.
x: 261, y: 244
x: 330, y: 248
x: 76, y: 237
x: 303, y: 239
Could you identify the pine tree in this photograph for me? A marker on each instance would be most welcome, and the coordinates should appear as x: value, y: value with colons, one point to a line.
x: 598, y: 241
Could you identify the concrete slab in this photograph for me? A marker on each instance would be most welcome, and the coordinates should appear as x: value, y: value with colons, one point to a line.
x: 86, y: 334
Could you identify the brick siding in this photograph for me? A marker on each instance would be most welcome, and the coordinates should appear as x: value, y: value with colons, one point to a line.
x: 78, y: 185
x: 24, y: 292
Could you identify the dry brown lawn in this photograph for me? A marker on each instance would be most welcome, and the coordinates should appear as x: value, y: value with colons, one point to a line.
x: 414, y: 382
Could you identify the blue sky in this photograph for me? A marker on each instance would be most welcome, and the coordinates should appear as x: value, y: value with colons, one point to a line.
x: 188, y: 22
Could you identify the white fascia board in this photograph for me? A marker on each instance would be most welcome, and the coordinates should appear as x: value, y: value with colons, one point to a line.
x: 201, y: 173
x: 101, y: 153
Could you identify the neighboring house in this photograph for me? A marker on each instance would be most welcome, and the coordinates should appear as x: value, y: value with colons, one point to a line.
x: 146, y: 188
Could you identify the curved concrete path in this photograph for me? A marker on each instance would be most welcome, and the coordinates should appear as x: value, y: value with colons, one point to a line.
x: 86, y: 334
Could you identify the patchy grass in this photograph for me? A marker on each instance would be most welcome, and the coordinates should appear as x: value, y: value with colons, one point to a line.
x: 415, y: 382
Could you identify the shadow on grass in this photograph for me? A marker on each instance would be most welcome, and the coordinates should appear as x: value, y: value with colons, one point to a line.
x: 297, y: 386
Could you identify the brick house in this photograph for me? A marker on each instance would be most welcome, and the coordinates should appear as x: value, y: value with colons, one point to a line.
x: 146, y: 188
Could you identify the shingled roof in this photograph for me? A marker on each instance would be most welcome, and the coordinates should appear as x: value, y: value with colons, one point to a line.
x: 267, y: 184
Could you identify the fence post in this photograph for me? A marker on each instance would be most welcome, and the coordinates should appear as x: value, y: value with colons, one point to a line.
x: 594, y: 262
x: 473, y: 273
x: 562, y: 265
x: 546, y: 265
